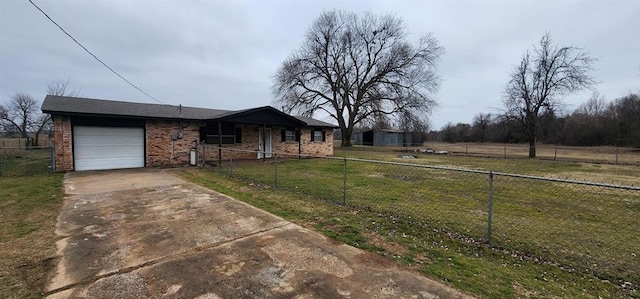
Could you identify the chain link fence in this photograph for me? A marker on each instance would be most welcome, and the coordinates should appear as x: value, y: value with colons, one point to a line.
x: 596, y: 154
x: 582, y: 227
x: 19, y: 161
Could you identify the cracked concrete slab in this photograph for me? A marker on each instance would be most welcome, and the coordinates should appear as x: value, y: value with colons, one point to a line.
x: 145, y: 234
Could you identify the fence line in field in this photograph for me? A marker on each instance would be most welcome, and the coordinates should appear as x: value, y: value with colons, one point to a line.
x: 43, y: 140
x: 18, y: 161
x: 602, y: 154
x: 580, y: 225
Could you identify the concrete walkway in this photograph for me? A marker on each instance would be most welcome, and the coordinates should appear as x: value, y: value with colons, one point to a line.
x: 146, y: 234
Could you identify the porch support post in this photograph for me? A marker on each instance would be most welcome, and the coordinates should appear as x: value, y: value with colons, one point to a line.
x: 264, y: 142
x: 219, y: 143
x: 299, y: 135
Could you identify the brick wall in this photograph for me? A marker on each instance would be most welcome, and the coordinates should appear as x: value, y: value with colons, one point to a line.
x: 307, y: 147
x: 63, y: 146
x: 250, y: 138
x: 245, y: 149
x: 162, y: 150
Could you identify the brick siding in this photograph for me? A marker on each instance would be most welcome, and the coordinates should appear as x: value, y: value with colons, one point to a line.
x: 62, y: 143
x: 307, y: 147
x: 250, y: 138
x: 162, y: 150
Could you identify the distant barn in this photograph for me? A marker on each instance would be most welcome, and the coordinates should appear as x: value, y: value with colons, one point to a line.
x: 387, y: 138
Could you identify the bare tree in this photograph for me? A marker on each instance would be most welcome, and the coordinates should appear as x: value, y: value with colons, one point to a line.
x: 22, y: 113
x: 595, y: 107
x: 4, y: 125
x: 358, y: 68
x: 587, y: 125
x: 624, y: 113
x: 60, y: 88
x: 19, y: 114
x: 481, y: 122
x: 43, y: 122
x: 541, y: 80
x: 410, y: 122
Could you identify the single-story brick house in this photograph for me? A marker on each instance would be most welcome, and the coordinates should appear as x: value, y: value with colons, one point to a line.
x: 93, y: 134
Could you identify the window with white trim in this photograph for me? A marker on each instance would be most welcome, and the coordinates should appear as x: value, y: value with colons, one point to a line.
x: 290, y: 135
x: 317, y: 135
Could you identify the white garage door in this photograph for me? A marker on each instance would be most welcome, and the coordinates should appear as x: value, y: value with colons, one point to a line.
x: 107, y: 147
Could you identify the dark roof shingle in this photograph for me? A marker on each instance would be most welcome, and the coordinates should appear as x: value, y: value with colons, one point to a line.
x: 73, y: 105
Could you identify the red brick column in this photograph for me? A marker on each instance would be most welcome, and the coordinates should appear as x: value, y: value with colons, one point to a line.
x: 62, y: 143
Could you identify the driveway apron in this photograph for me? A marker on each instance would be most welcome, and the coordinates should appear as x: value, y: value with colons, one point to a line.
x: 144, y: 233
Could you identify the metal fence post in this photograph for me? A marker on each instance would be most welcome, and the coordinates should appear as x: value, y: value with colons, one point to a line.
x: 490, y: 213
x: 276, y: 169
x: 555, y: 154
x: 505, y: 151
x: 344, y: 183
x: 52, y: 163
x: 616, y: 156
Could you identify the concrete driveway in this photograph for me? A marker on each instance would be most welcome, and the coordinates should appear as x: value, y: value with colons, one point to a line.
x: 146, y: 234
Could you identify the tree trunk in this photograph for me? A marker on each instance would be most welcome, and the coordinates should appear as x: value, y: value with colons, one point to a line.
x: 346, y: 137
x: 532, y: 148
x: 532, y: 133
x: 23, y: 131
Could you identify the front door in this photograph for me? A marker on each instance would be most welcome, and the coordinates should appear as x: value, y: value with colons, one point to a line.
x: 264, y: 143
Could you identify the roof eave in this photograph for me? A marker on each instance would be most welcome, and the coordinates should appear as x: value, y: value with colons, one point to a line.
x: 257, y: 109
x: 66, y: 113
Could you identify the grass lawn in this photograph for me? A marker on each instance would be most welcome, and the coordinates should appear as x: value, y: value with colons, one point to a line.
x: 29, y: 206
x: 25, y: 162
x: 550, y: 239
x: 593, y: 172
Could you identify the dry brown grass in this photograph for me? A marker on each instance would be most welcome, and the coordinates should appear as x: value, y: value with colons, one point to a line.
x: 599, y: 154
x: 608, y: 173
x: 29, y: 206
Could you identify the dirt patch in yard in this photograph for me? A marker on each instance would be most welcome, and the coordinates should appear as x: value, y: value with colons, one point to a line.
x: 388, y: 246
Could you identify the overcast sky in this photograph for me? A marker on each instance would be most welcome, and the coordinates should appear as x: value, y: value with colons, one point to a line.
x: 223, y: 54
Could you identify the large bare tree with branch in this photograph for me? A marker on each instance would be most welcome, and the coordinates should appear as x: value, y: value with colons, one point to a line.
x: 56, y: 88
x: 22, y: 113
x: 541, y: 81
x: 358, y: 69
x: 19, y: 114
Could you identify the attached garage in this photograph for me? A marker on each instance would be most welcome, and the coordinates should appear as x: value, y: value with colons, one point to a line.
x: 96, y: 148
x: 93, y: 134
